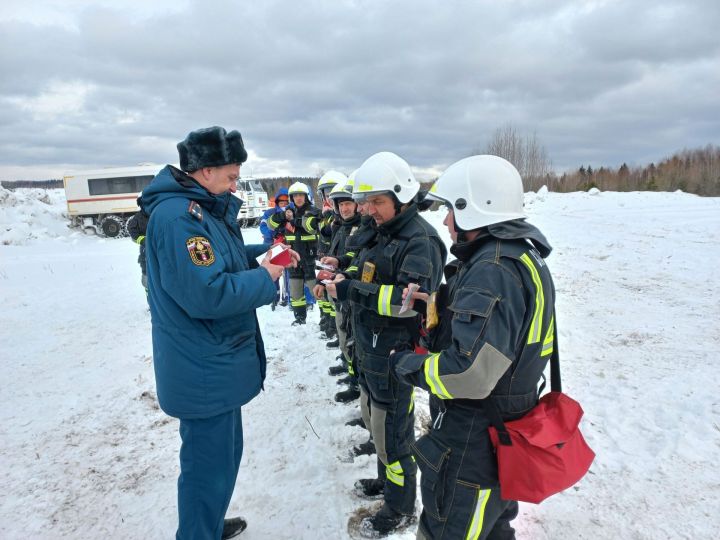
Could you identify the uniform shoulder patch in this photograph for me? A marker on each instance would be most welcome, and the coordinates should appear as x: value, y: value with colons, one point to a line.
x: 195, y: 210
x: 200, y: 250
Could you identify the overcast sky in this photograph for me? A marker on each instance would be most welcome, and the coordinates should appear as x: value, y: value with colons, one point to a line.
x: 317, y: 85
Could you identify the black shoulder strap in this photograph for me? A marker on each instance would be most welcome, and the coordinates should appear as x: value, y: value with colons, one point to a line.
x: 555, y: 385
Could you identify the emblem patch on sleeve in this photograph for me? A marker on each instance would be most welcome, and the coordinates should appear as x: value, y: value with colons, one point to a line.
x: 200, y: 251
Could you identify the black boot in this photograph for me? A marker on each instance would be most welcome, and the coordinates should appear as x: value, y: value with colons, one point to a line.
x: 331, y: 329
x: 347, y: 380
x: 300, y: 315
x: 334, y: 344
x: 337, y: 370
x: 323, y: 325
x: 346, y: 396
x: 364, y: 449
x: 370, y: 488
x: 385, y: 521
x: 233, y: 527
x: 356, y: 422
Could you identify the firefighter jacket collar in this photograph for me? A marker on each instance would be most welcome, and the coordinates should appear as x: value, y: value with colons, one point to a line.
x: 355, y: 220
x: 517, y: 229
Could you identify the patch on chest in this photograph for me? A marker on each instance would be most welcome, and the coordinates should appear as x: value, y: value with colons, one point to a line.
x: 200, y: 250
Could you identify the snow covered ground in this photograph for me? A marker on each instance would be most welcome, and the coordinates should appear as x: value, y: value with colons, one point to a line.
x: 85, y: 452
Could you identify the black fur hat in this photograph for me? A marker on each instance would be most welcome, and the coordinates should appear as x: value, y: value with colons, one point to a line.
x: 211, y: 147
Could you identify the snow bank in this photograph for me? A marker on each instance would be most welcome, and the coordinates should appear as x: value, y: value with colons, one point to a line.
x: 30, y: 214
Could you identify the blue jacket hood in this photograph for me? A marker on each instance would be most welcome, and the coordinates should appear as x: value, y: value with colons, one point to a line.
x: 281, y: 191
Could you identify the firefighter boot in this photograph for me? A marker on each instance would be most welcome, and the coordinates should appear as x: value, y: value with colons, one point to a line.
x: 364, y: 449
x: 323, y: 325
x: 370, y: 488
x: 330, y: 329
x: 337, y: 370
x: 356, y: 422
x: 300, y: 315
x: 385, y: 521
x: 346, y: 396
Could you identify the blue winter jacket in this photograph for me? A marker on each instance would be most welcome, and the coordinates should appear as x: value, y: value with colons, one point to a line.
x: 204, y: 286
x: 267, y: 232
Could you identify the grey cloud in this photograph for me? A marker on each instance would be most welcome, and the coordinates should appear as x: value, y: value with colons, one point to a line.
x: 329, y: 83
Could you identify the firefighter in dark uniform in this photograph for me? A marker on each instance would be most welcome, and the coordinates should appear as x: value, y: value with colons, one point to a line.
x: 406, y: 249
x: 493, y: 341
x: 349, y: 221
x: 300, y: 226
x: 329, y: 224
x: 137, y: 229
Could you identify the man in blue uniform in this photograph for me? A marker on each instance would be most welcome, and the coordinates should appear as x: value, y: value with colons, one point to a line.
x: 493, y: 340
x: 204, y: 286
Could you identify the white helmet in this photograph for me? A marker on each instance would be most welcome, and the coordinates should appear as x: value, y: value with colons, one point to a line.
x: 341, y: 191
x: 350, y: 184
x: 481, y: 190
x: 298, y: 187
x: 385, y: 172
x: 330, y: 179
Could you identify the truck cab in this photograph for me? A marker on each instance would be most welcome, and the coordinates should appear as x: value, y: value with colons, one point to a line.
x: 255, y: 201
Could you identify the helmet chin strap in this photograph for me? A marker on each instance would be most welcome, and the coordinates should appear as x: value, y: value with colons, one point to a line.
x: 396, y: 203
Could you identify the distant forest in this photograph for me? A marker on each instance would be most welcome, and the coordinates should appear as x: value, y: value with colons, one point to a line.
x: 693, y: 171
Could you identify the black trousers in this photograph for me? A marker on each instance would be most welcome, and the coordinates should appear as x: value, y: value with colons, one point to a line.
x: 458, y: 479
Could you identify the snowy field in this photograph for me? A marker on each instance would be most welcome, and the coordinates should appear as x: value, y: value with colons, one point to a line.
x: 85, y: 452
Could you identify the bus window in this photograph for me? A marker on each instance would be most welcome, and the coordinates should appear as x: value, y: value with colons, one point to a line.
x: 123, y: 184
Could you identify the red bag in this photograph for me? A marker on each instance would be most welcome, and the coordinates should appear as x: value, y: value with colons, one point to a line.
x: 547, y: 453
x: 543, y: 452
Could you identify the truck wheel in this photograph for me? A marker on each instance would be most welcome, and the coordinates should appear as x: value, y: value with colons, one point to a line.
x: 112, y: 226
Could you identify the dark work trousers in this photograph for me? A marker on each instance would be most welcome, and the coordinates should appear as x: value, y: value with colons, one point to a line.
x: 392, y: 426
x: 458, y: 479
x: 209, y: 462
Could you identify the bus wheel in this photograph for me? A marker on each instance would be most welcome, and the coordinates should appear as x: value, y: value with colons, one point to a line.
x: 112, y: 226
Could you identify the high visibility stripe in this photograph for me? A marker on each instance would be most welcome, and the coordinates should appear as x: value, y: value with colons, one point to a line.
x: 384, y: 295
x: 394, y: 473
x: 412, y: 400
x: 350, y: 254
x: 290, y: 237
x: 479, y: 516
x: 298, y: 303
x: 536, y: 325
x: 307, y: 238
x: 352, y: 269
x: 140, y: 239
x: 432, y: 377
x: 272, y: 224
x: 547, y: 347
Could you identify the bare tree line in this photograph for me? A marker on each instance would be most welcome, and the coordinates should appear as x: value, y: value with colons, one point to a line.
x: 693, y: 171
x: 525, y: 152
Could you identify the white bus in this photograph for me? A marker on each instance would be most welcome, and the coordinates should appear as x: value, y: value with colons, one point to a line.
x: 102, y: 201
